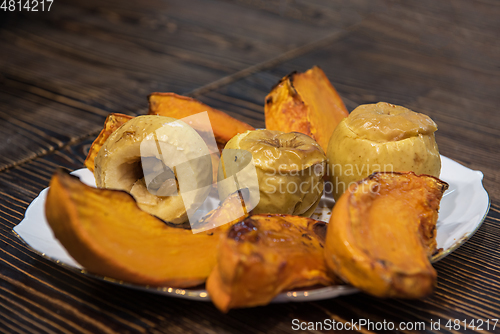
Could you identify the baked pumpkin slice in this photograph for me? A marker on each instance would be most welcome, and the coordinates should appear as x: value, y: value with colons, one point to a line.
x: 106, y: 232
x: 224, y: 127
x: 382, y: 233
x: 307, y: 103
x: 265, y: 254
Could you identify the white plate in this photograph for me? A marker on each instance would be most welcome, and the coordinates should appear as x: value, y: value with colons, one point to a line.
x: 463, y: 209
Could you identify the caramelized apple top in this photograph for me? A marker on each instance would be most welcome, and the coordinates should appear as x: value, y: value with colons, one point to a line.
x: 283, y: 151
x: 383, y: 122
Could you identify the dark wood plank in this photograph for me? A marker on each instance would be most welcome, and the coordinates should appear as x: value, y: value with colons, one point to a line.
x: 63, y: 71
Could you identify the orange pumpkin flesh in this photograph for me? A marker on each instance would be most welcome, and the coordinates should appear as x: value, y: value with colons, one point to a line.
x: 106, y: 232
x: 224, y: 126
x: 112, y: 122
x: 264, y: 255
x: 382, y: 233
x: 307, y: 103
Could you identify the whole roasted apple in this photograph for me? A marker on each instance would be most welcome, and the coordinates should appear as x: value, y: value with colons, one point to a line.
x: 381, y: 137
x: 161, y: 161
x: 283, y: 171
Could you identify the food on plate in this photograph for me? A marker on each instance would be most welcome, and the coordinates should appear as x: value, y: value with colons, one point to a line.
x: 289, y: 171
x: 106, y: 232
x: 224, y: 126
x: 381, y: 137
x: 161, y: 161
x: 307, y: 103
x: 264, y: 255
x: 113, y: 122
x: 382, y: 232
x: 154, y: 171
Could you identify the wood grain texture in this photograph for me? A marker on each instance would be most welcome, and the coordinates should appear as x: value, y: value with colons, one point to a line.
x: 63, y: 71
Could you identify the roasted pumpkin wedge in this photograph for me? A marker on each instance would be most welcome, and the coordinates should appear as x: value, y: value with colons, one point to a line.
x: 112, y: 122
x: 106, y: 232
x: 307, y: 103
x: 264, y: 255
x: 224, y: 126
x: 382, y: 232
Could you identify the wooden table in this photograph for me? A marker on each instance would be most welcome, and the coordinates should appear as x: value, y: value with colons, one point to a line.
x: 63, y: 70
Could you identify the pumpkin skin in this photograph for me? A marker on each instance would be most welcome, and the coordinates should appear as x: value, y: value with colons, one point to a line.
x: 106, y: 232
x: 307, y: 103
x: 382, y: 233
x: 264, y: 255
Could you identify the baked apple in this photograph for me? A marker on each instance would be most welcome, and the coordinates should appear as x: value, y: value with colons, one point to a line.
x: 161, y: 161
x: 283, y: 171
x: 381, y: 137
